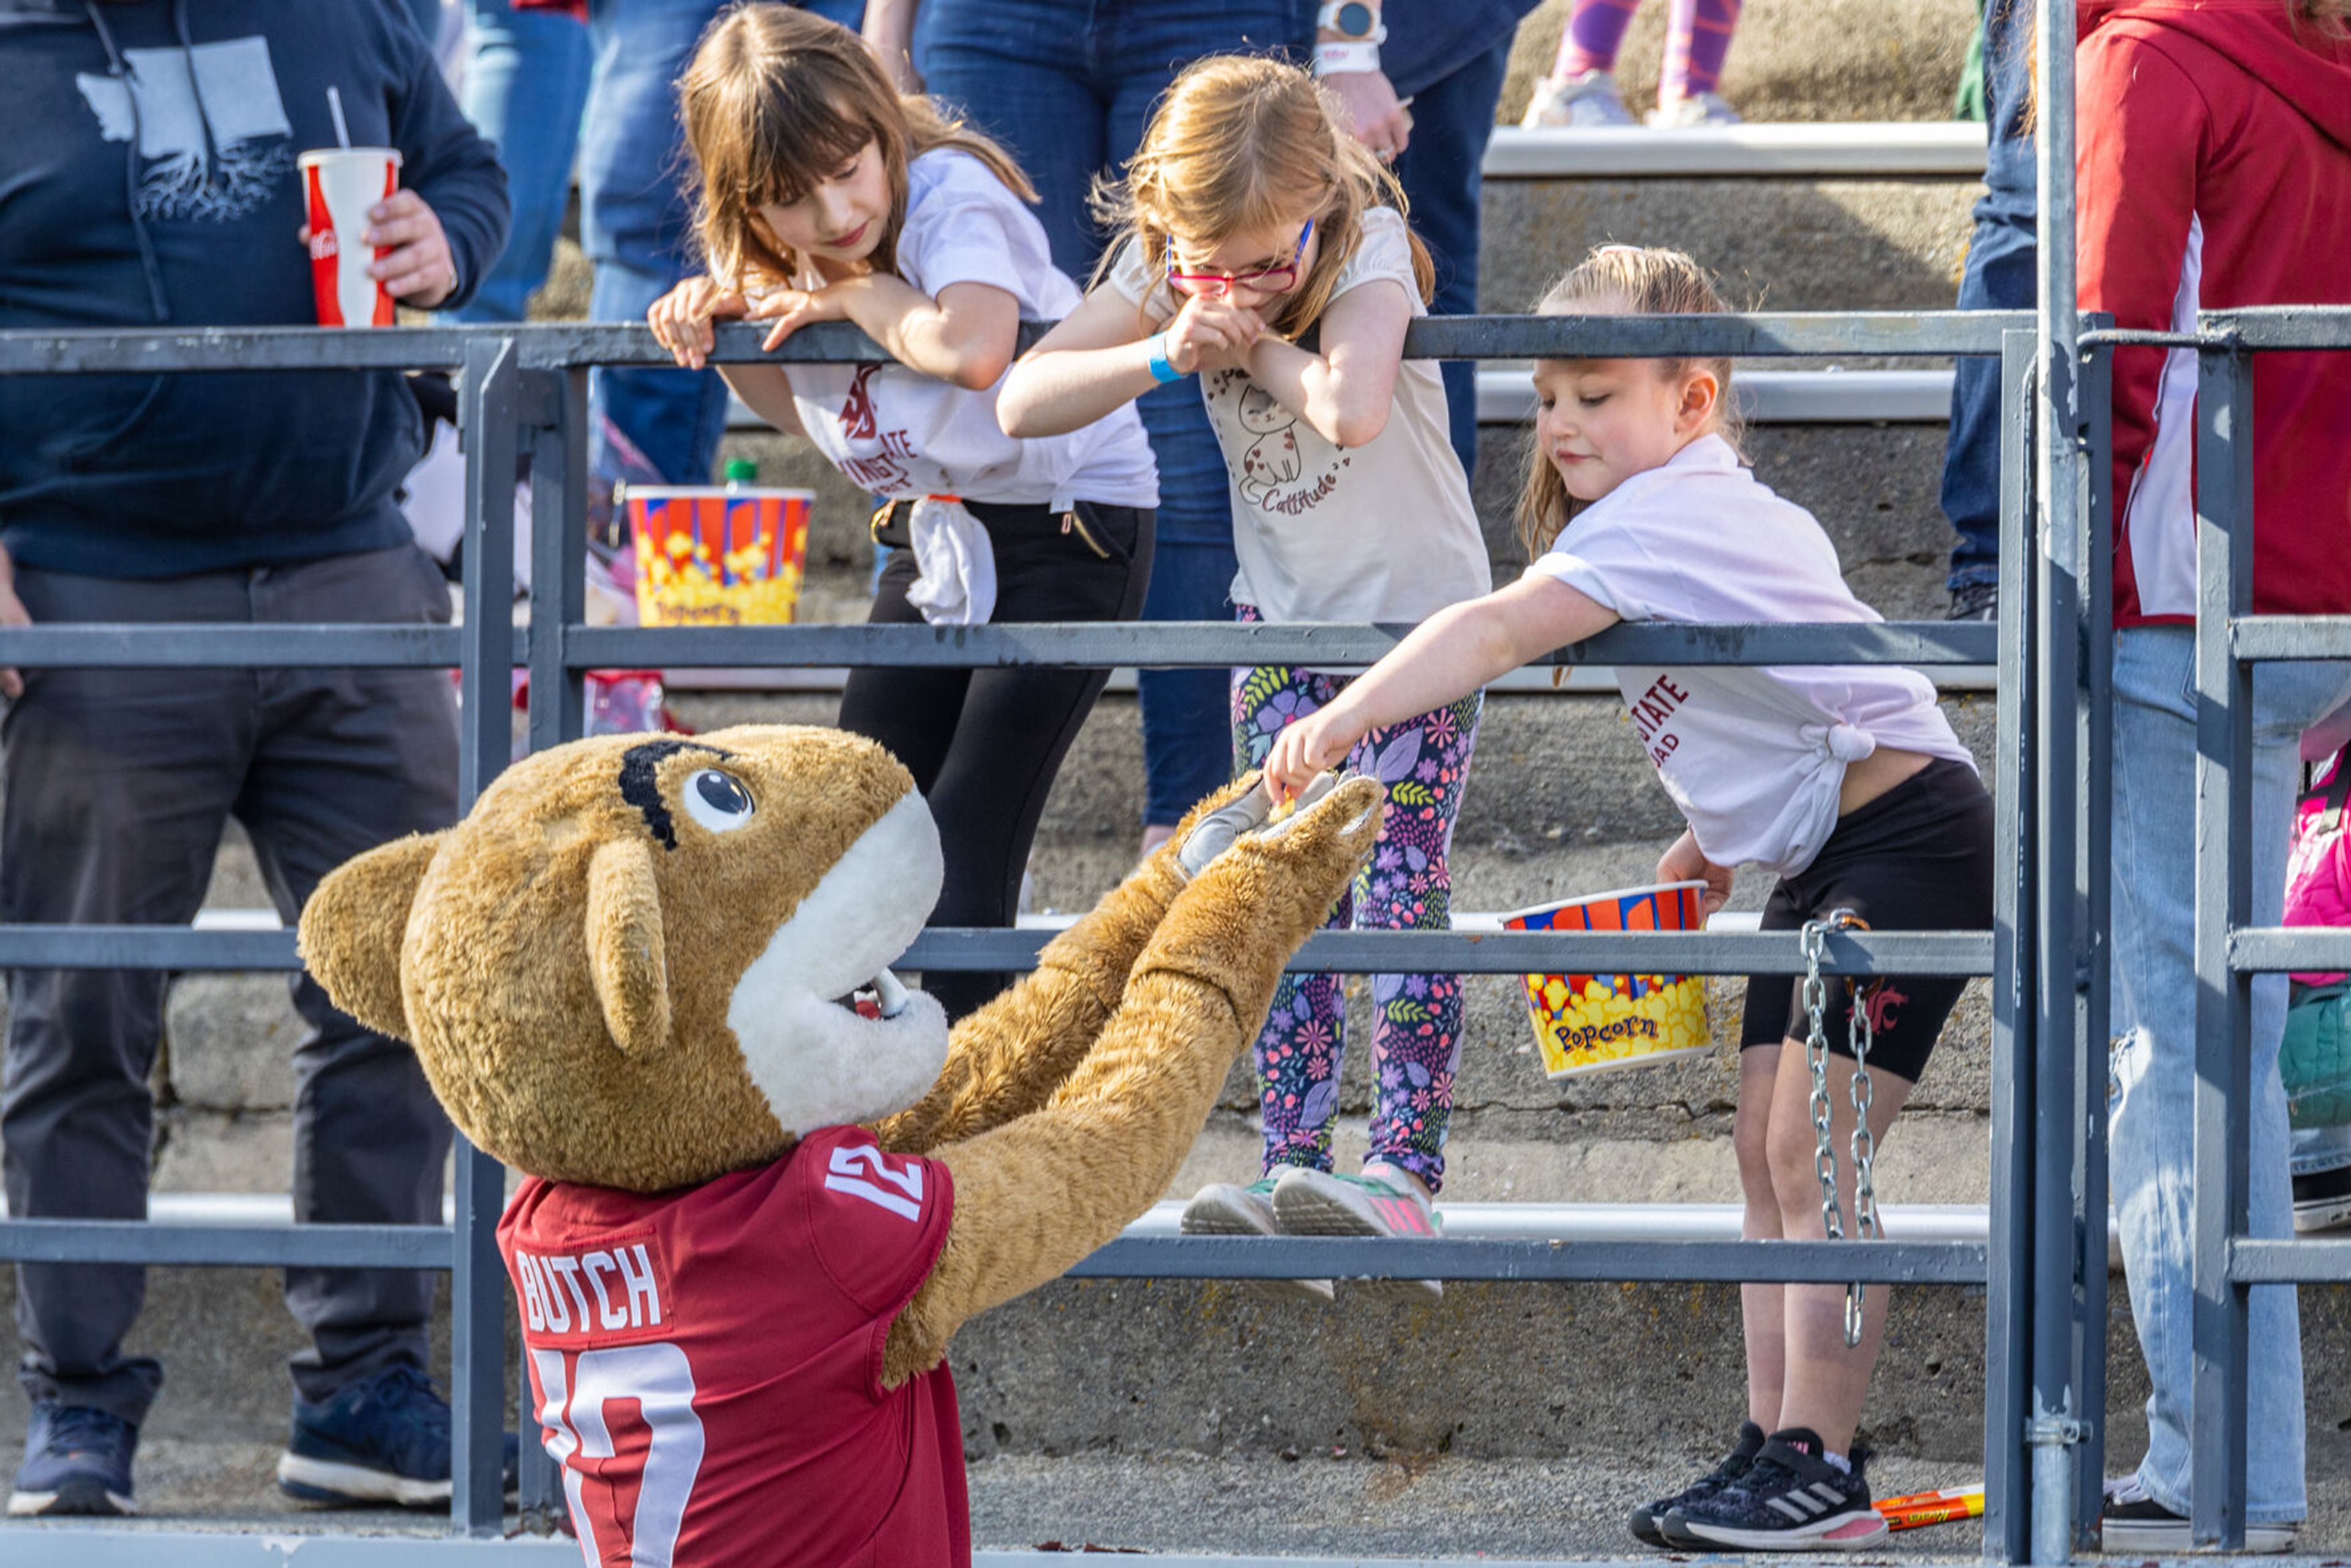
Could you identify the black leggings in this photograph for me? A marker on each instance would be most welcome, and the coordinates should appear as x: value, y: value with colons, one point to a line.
x: 984, y: 745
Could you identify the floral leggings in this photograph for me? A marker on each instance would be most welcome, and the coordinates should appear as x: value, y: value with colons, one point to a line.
x: 1416, y: 1037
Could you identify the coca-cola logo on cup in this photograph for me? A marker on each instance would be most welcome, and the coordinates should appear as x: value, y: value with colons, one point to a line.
x: 322, y: 245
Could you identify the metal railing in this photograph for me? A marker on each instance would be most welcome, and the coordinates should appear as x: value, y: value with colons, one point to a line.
x: 523, y: 393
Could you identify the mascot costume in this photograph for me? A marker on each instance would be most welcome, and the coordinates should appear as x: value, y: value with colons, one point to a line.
x: 766, y: 1182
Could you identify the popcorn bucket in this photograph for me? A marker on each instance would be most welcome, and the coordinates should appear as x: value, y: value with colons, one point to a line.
x: 1594, y: 1023
x: 717, y: 556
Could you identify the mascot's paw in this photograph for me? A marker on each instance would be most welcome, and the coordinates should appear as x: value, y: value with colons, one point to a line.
x: 1216, y: 829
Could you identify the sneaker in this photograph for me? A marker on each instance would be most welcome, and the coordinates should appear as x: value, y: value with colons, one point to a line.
x: 1791, y: 1499
x: 385, y: 1439
x: 1645, y: 1519
x: 76, y: 1460
x: 1697, y: 109
x: 1316, y: 1203
x: 1975, y: 602
x: 2322, y: 1199
x: 2131, y: 1520
x: 1582, y: 101
x: 1224, y: 1209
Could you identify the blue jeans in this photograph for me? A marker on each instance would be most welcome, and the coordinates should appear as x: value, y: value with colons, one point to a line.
x: 1066, y: 86
x: 2153, y: 1159
x: 1999, y: 277
x: 636, y: 177
x: 526, y: 87
x: 1452, y: 120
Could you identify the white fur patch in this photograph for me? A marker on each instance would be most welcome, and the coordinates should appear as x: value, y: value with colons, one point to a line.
x: 819, y: 1064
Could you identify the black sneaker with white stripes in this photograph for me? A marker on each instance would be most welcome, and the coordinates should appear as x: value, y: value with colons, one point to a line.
x: 1791, y: 1499
x: 1645, y: 1519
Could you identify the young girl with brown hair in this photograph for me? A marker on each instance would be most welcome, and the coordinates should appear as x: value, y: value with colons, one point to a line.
x: 827, y: 196
x: 1846, y: 782
x: 1267, y: 252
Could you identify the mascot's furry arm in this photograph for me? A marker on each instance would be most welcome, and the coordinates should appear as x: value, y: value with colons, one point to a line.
x: 1037, y: 1194
x: 1007, y: 1058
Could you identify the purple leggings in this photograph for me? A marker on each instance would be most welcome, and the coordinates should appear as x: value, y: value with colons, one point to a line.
x: 1416, y: 1031
x: 1700, y: 38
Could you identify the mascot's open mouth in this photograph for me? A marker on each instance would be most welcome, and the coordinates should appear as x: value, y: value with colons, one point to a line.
x: 882, y: 996
x: 828, y: 1034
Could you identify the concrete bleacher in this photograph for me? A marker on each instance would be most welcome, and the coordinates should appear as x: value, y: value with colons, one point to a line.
x: 1120, y: 1411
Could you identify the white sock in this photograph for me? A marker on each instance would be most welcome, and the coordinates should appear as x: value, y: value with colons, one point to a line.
x: 1839, y: 1460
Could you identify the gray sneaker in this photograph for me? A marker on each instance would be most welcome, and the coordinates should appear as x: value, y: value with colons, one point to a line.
x: 1227, y: 1208
x: 1697, y: 109
x: 1583, y: 102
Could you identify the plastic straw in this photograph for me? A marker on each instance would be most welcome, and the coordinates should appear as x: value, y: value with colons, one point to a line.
x: 335, y: 107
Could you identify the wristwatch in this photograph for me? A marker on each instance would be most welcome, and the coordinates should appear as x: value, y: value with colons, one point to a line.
x: 1354, y: 21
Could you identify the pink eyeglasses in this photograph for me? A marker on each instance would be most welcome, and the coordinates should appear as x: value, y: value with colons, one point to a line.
x: 1271, y: 280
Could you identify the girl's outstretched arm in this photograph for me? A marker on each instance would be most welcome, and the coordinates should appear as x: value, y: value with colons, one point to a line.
x: 1448, y: 655
x: 1346, y: 391
x: 1099, y: 359
x: 967, y: 336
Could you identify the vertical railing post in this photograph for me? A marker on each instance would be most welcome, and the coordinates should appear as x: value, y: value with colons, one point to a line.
x: 2008, y: 1311
x: 488, y: 420
x: 2092, y: 995
x: 2225, y: 896
x: 2055, y: 1425
x: 558, y: 473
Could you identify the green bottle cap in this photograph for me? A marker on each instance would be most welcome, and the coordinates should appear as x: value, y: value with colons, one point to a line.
x: 741, y: 470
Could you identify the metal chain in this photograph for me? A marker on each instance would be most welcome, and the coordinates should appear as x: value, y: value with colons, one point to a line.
x: 1861, y: 1036
x: 1816, y: 1057
x: 1864, y: 1035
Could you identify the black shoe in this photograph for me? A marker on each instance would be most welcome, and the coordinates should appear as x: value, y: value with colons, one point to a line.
x: 1975, y: 602
x: 383, y: 1441
x: 1791, y: 1499
x: 76, y: 1460
x: 2133, y: 1522
x: 2321, y: 1200
x: 1645, y: 1518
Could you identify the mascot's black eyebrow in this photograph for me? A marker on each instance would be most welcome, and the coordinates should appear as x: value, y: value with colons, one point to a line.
x: 640, y: 788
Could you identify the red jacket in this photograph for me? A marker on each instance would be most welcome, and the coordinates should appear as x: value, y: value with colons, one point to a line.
x: 2214, y: 170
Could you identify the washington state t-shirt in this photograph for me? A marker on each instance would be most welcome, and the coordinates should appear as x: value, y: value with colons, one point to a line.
x: 898, y: 432
x: 1753, y: 757
x: 1383, y: 531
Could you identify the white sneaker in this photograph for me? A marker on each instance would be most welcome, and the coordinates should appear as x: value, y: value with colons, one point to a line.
x: 1697, y: 109
x: 1315, y: 1203
x: 1227, y: 1208
x: 1582, y: 101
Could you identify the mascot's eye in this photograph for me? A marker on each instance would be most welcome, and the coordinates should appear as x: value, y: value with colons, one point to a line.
x: 717, y: 800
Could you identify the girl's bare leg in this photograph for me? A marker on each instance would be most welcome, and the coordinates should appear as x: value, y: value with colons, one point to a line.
x: 1759, y: 1306
x: 1825, y: 1380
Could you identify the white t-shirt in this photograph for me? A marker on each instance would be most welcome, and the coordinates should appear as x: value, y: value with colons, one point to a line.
x: 899, y: 432
x: 1383, y: 532
x: 1753, y: 757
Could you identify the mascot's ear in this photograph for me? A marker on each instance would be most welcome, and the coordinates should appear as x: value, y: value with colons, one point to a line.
x: 625, y: 953
x: 352, y: 930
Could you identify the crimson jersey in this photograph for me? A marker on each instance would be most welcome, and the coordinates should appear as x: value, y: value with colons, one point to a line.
x: 707, y: 1363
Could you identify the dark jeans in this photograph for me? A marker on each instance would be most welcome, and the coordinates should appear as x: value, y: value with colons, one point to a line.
x: 1067, y: 85
x: 984, y: 745
x: 119, y: 785
x: 1452, y: 120
x: 1999, y: 276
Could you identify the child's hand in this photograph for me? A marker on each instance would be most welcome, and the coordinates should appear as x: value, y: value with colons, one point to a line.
x: 1211, y: 333
x: 1685, y: 863
x: 793, y: 309
x: 1314, y: 744
x: 680, y: 319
